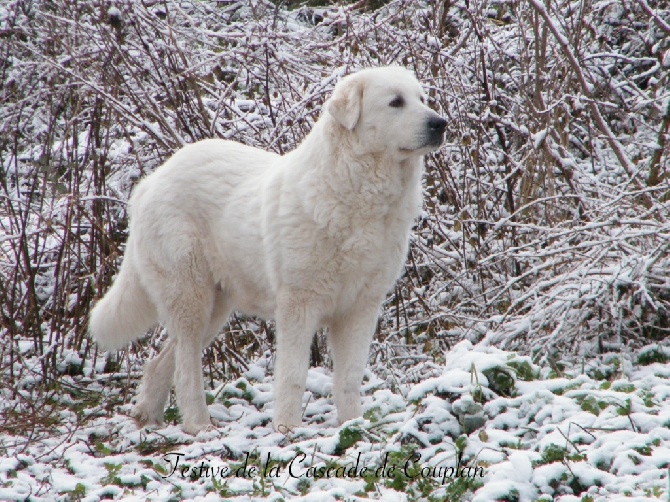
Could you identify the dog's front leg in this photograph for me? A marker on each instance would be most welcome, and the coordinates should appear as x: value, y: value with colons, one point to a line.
x: 350, y: 337
x: 296, y: 324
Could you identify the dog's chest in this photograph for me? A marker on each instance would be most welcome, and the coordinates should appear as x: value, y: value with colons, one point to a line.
x: 369, y: 251
x: 367, y: 238
x: 370, y: 235
x: 345, y: 241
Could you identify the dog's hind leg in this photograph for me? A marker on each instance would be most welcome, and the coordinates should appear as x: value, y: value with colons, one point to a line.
x: 188, y: 322
x: 159, y: 372
x: 184, y: 292
x: 155, y: 387
x: 220, y: 314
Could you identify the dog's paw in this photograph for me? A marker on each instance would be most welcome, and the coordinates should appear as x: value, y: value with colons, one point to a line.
x: 145, y: 417
x: 282, y: 429
x: 194, y: 428
x: 285, y: 425
x: 346, y: 415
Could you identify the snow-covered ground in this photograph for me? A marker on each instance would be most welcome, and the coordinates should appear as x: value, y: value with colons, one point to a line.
x: 492, y: 426
x: 546, y: 228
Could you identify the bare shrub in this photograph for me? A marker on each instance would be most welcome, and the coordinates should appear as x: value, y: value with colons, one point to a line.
x: 546, y: 219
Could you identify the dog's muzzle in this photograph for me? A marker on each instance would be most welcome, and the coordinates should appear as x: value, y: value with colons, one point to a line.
x: 436, y: 126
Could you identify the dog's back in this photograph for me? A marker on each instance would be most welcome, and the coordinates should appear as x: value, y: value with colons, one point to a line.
x: 184, y: 200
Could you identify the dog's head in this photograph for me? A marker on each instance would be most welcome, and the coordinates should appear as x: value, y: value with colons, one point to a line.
x: 385, y: 110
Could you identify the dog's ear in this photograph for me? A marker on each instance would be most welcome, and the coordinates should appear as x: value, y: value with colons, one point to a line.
x: 345, y: 103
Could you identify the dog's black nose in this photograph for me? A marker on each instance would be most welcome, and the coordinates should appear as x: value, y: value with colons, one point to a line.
x: 437, y: 124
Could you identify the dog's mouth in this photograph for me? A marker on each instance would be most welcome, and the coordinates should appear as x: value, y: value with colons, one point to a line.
x: 435, y: 139
x: 433, y: 143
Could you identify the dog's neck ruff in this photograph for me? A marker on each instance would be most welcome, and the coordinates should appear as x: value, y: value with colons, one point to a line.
x: 333, y: 179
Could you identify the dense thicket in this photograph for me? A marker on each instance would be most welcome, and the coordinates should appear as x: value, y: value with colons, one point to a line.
x: 546, y: 217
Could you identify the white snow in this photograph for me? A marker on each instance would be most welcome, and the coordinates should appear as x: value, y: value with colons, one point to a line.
x: 605, y: 447
x: 592, y: 255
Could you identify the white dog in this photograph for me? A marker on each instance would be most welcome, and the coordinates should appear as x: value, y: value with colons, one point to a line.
x: 314, y: 238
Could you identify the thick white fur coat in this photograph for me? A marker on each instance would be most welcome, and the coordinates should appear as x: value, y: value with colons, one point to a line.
x: 314, y: 238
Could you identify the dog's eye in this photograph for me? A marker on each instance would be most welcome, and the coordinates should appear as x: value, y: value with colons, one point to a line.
x: 398, y: 102
x: 423, y: 100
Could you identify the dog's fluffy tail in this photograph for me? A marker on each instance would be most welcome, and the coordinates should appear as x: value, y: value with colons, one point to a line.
x: 125, y: 312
